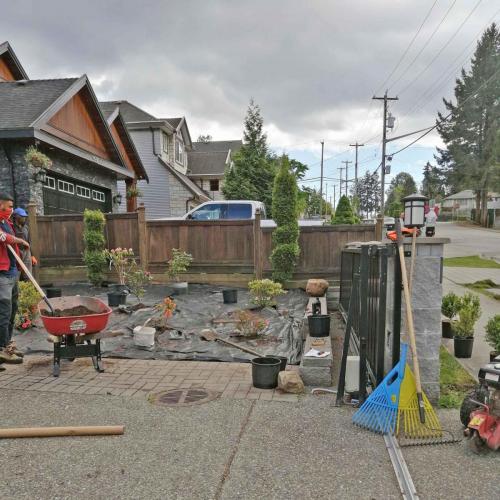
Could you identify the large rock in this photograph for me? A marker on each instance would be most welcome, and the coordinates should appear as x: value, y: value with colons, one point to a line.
x: 316, y: 287
x: 290, y: 382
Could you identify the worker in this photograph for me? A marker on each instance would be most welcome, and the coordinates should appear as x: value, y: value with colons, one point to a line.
x: 21, y: 230
x: 8, y: 282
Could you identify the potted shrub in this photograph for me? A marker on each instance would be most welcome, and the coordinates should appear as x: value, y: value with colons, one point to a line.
x: 179, y: 263
x: 449, y: 309
x: 133, y: 192
x: 264, y: 292
x: 463, y: 328
x: 136, y: 280
x: 493, y: 336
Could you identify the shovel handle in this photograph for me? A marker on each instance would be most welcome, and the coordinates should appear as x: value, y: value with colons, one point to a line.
x: 244, y: 349
x: 22, y: 265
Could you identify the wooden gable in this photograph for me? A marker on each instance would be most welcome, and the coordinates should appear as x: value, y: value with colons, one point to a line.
x: 79, y: 122
x: 5, y: 72
x: 119, y: 142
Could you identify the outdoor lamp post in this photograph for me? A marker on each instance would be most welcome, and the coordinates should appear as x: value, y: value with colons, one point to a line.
x: 118, y: 198
x: 414, y: 210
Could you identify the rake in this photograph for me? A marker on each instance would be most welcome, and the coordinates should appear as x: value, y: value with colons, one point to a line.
x: 379, y: 413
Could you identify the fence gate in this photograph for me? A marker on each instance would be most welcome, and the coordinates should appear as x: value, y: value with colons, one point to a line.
x: 363, y: 297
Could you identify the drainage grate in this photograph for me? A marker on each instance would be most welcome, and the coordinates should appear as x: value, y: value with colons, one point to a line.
x: 183, y: 397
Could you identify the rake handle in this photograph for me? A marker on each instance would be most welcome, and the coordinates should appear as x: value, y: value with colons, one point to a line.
x: 410, y: 324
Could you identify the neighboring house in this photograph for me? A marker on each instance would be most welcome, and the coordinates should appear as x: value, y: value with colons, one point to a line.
x: 162, y: 144
x: 63, y: 119
x: 207, y: 163
x: 463, y: 202
x: 10, y: 67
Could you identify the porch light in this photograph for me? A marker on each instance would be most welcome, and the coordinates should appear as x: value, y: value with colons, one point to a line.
x: 40, y: 175
x: 414, y: 205
x: 117, y: 199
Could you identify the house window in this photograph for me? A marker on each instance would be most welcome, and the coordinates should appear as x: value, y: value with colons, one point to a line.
x: 98, y: 196
x: 179, y: 150
x: 65, y: 187
x: 83, y: 192
x: 164, y: 142
x: 50, y: 182
x: 214, y: 184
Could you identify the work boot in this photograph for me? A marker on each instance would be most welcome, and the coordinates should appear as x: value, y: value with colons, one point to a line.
x: 11, y: 346
x: 9, y: 357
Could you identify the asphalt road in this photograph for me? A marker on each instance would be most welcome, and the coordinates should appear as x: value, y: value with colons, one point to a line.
x: 468, y: 240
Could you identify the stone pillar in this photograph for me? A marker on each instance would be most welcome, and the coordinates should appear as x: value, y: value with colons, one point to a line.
x: 426, y: 302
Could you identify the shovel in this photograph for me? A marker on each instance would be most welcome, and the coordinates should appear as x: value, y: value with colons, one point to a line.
x: 30, y: 276
x: 210, y: 335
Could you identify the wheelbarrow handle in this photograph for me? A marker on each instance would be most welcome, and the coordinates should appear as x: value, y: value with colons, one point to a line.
x: 22, y: 265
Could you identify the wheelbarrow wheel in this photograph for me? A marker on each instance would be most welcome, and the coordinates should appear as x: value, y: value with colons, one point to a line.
x: 477, y: 444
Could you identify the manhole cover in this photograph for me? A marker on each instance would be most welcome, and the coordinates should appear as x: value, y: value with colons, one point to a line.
x: 184, y: 397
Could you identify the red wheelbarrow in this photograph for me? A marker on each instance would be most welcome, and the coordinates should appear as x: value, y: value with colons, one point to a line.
x: 66, y: 330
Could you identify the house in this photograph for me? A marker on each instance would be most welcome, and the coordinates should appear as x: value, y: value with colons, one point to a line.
x: 207, y: 163
x: 10, y: 67
x: 63, y: 119
x: 162, y: 144
x: 463, y: 202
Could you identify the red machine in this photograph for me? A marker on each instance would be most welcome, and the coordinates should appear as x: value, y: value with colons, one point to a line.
x: 67, y: 328
x: 480, y: 411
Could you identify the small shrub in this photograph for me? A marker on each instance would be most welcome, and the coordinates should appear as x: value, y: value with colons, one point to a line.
x: 464, y: 326
x: 122, y: 260
x: 264, y: 292
x: 93, y: 238
x: 167, y: 307
x: 179, y: 263
x: 250, y: 324
x: 284, y: 258
x: 472, y: 302
x: 344, y: 213
x: 136, y: 279
x: 493, y: 332
x: 27, y: 305
x: 450, y: 305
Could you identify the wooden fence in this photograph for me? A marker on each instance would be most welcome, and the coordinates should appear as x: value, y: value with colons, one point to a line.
x: 219, y: 248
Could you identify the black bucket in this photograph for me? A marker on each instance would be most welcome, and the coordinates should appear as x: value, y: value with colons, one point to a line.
x: 117, y: 288
x: 446, y: 330
x: 319, y: 325
x: 265, y: 372
x: 230, y: 296
x: 283, y: 360
x: 116, y: 299
x: 463, y: 346
x: 53, y: 292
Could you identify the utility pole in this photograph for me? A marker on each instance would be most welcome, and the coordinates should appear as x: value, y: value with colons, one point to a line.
x: 341, y: 181
x: 321, y: 183
x: 326, y: 197
x: 356, y: 162
x: 346, y: 175
x: 384, y: 142
x: 334, y: 197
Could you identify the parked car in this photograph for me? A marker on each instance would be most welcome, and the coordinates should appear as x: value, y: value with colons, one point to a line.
x: 389, y: 223
x: 226, y: 210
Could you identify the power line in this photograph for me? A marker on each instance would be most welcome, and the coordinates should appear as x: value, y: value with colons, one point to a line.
x: 407, y: 48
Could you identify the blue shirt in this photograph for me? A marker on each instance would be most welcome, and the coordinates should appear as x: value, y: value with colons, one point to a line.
x: 12, y: 272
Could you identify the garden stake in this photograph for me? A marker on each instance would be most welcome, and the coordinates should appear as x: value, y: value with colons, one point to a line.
x: 415, y: 413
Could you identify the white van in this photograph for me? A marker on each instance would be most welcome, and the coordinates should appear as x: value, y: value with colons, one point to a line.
x: 226, y: 210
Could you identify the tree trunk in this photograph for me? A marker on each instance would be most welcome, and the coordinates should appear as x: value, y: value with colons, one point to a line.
x: 477, y: 215
x: 484, y: 208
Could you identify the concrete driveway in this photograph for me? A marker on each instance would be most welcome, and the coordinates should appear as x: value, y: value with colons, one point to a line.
x: 467, y: 240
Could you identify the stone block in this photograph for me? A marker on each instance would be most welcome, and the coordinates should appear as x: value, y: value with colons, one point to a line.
x: 290, y: 382
x: 316, y: 376
x: 316, y: 287
x: 327, y: 346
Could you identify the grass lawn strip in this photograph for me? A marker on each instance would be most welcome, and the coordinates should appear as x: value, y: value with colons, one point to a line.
x: 485, y: 287
x: 471, y: 261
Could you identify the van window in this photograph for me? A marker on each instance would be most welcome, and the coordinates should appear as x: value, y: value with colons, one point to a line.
x: 239, y: 211
x: 214, y: 211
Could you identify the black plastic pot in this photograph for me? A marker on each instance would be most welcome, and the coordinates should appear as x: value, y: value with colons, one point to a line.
x: 463, y: 346
x: 118, y: 288
x: 319, y: 325
x: 283, y: 360
x: 53, y: 292
x: 230, y: 296
x: 116, y: 299
x: 493, y: 355
x: 446, y: 331
x: 265, y: 372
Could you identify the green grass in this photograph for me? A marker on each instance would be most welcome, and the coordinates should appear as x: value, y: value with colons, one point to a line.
x: 454, y: 381
x: 484, y: 287
x: 471, y: 261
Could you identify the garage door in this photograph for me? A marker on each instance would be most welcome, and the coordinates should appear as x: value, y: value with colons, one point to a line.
x: 67, y: 196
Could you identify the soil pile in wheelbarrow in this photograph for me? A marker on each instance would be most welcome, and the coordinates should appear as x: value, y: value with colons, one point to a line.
x: 70, y: 312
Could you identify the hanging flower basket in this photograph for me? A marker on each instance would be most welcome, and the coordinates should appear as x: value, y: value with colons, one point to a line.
x: 133, y: 192
x: 37, y: 159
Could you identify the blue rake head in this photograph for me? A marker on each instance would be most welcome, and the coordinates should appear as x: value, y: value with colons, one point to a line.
x: 379, y: 412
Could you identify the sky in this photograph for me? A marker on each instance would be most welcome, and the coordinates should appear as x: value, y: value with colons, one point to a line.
x: 312, y: 66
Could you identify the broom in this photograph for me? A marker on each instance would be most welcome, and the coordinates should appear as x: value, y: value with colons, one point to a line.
x: 379, y: 412
x: 415, y: 417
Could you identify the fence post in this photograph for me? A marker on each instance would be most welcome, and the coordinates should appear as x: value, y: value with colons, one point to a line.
x: 33, y: 232
x: 143, y: 236
x: 257, y: 246
x: 379, y: 226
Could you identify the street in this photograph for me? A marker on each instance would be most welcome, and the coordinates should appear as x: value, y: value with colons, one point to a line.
x: 467, y: 240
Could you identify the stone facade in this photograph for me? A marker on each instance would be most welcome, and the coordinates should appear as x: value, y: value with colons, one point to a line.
x: 17, y: 178
x: 180, y: 196
x: 426, y: 302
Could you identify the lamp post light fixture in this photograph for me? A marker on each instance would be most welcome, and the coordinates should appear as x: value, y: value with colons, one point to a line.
x: 117, y: 198
x: 414, y: 210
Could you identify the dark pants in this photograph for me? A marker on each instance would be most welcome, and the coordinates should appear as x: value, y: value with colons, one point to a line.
x: 8, y: 307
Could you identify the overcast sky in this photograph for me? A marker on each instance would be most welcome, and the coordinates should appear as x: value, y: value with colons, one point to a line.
x: 312, y: 66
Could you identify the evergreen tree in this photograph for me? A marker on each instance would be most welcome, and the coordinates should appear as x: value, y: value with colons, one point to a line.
x: 367, y: 191
x: 402, y: 185
x: 252, y: 174
x: 285, y: 211
x: 470, y: 131
x: 432, y: 183
x: 310, y: 202
x: 344, y: 213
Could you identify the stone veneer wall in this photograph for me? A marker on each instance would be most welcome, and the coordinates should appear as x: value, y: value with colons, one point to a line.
x: 25, y: 189
x: 426, y: 303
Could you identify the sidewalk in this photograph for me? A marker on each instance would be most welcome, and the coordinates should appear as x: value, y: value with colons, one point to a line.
x: 453, y: 277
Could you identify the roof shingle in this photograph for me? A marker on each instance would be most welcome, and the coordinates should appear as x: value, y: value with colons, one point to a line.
x: 129, y: 112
